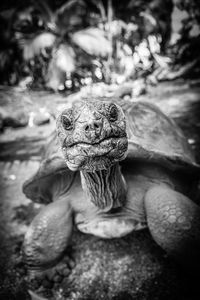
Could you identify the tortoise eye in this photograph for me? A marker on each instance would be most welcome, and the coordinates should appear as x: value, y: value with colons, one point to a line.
x: 67, y: 122
x: 113, y: 113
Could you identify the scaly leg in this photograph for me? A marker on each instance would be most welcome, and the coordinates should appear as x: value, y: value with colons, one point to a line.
x: 174, y: 222
x: 47, y: 238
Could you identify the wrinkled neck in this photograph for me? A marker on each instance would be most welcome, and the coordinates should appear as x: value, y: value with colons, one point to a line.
x: 105, y: 188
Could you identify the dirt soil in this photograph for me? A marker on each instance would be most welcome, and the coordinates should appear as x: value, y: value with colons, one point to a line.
x: 133, y: 267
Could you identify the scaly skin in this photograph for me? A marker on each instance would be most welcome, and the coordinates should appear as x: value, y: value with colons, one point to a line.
x: 46, y: 241
x: 174, y: 222
x: 93, y: 139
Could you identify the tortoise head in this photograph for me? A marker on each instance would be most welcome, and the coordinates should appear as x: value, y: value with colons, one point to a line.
x: 92, y: 135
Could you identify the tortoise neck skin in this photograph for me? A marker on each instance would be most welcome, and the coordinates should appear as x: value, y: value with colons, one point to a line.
x: 93, y: 139
x: 105, y: 188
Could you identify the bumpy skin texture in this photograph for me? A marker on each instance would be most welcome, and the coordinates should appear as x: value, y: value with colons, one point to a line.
x: 93, y: 135
x: 174, y: 222
x: 48, y: 235
x: 94, y: 138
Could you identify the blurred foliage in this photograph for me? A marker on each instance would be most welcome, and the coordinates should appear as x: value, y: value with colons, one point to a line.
x: 189, y: 42
x: 64, y: 44
x: 191, y: 6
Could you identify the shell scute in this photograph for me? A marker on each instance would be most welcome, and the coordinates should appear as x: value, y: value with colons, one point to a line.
x: 154, y: 136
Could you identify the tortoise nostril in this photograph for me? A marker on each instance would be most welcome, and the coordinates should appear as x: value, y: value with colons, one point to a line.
x: 96, y: 125
x: 93, y: 126
x: 93, y: 129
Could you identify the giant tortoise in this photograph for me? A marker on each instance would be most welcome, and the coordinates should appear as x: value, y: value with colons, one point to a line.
x: 117, y: 167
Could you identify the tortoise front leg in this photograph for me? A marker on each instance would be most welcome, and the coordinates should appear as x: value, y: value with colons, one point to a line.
x: 174, y: 222
x: 48, y: 237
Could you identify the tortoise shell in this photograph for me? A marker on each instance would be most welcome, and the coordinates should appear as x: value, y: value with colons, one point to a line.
x: 152, y: 136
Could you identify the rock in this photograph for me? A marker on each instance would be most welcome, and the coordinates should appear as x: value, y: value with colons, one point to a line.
x: 131, y: 89
x: 41, y: 118
x: 47, y: 284
x: 11, y: 118
x: 58, y: 278
x: 15, y: 119
x: 139, y: 88
x: 124, y: 90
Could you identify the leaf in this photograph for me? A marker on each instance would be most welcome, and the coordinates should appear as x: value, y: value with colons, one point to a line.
x: 38, y: 44
x: 70, y: 16
x: 62, y: 64
x: 93, y: 41
x: 46, y: 13
x: 65, y: 58
x: 67, y: 6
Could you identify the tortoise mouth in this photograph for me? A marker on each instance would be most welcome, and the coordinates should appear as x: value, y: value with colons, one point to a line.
x: 106, y: 140
x: 110, y: 146
x: 99, y: 155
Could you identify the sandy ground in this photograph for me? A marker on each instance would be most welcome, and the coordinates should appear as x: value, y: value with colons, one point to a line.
x: 133, y: 267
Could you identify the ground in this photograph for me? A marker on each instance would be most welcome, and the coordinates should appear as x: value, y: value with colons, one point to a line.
x: 133, y: 267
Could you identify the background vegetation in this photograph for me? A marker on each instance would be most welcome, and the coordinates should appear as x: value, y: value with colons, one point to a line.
x: 63, y: 44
